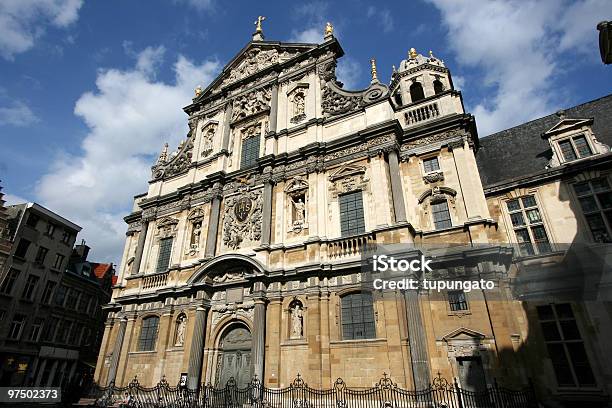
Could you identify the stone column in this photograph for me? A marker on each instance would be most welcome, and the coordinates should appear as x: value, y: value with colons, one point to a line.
x: 259, y: 328
x: 417, y: 341
x: 142, y: 236
x: 266, y: 218
x: 114, y: 363
x: 213, y: 226
x: 326, y: 378
x: 197, y: 348
x: 396, y: 187
x: 226, y: 127
x: 274, y: 325
x: 274, y: 108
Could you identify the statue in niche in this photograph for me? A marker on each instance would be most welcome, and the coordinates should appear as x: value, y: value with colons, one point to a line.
x: 299, y: 210
x: 195, y: 234
x: 181, y: 325
x: 297, y: 315
x: 208, y: 142
x: 299, y: 104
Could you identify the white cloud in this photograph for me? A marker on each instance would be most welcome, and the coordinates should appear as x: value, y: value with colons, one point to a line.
x: 129, y: 117
x: 17, y: 113
x: 519, y: 46
x: 348, y: 72
x: 23, y: 21
x: 309, y: 35
x: 313, y: 14
x: 382, y: 16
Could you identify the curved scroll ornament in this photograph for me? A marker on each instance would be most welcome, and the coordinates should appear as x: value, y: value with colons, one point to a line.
x: 242, y: 219
x: 337, y: 100
x: 178, y: 162
x: 441, y: 383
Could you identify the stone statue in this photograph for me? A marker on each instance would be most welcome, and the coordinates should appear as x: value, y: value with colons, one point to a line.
x: 181, y: 325
x: 208, y: 142
x: 296, y: 321
x: 195, y: 234
x: 299, y: 107
x: 300, y: 211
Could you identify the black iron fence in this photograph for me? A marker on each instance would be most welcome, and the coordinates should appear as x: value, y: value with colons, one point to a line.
x: 385, y: 394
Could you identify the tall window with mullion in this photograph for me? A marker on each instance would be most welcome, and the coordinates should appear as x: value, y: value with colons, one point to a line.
x: 358, y: 316
x: 351, y: 214
x: 441, y: 215
x: 250, y: 151
x: 528, y: 226
x: 574, y: 148
x: 595, y: 197
x: 148, y: 333
x: 565, y: 346
x: 165, y: 250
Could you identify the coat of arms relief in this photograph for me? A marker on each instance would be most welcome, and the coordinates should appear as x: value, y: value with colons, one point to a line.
x: 242, y: 219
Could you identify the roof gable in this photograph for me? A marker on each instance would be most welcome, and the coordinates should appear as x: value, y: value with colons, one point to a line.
x: 565, y: 125
x: 256, y: 57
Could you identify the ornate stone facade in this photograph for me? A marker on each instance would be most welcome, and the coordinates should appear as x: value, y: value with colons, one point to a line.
x: 260, y: 267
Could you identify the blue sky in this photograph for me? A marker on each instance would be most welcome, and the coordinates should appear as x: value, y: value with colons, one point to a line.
x: 90, y: 91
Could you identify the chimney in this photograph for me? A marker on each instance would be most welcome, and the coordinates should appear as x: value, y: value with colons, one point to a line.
x: 81, y: 251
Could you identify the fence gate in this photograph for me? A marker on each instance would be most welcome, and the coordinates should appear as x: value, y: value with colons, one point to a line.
x: 384, y: 394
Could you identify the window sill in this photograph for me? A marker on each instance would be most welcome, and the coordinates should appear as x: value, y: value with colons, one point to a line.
x: 142, y: 352
x: 357, y: 342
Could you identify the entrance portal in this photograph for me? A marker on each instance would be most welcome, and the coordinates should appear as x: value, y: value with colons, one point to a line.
x: 235, y: 356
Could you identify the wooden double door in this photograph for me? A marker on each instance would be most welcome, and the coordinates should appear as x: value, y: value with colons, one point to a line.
x: 235, y: 357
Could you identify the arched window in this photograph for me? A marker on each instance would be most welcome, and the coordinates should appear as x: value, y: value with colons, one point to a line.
x: 358, y: 316
x: 398, y: 99
x: 438, y: 87
x: 416, y: 92
x: 148, y: 333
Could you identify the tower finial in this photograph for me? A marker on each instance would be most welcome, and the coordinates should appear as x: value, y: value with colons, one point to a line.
x: 412, y: 53
x: 163, y: 157
x: 198, y: 90
x: 373, y: 70
x: 329, y: 30
x: 258, y: 35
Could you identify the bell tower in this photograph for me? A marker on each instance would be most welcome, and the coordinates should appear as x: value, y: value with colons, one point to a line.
x: 419, y: 78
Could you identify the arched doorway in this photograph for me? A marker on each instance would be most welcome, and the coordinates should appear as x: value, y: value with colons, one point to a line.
x: 235, y: 356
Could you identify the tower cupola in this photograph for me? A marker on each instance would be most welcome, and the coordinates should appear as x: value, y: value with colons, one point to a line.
x: 419, y: 77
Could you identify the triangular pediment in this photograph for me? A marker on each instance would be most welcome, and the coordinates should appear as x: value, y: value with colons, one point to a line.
x: 346, y: 171
x: 463, y: 333
x: 567, y: 124
x: 255, y: 58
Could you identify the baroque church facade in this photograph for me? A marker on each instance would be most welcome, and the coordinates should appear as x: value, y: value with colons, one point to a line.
x: 243, y: 258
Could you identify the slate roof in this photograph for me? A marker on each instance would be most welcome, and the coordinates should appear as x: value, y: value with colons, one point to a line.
x: 520, y: 151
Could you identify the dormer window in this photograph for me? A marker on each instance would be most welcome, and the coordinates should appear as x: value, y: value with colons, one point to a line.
x: 574, y: 148
x: 572, y: 139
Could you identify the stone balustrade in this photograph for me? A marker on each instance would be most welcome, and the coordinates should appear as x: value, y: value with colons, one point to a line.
x: 356, y: 245
x: 155, y: 281
x: 432, y: 108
